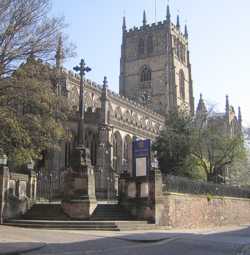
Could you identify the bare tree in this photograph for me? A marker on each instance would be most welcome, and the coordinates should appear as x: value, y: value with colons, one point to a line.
x: 26, y: 29
x: 215, y: 148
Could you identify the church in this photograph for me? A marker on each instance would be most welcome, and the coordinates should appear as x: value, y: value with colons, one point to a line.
x: 155, y: 78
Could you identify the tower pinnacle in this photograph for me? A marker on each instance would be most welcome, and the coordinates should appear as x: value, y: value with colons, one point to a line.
x: 124, y: 24
x: 201, y: 108
x: 178, y: 22
x: 144, y: 18
x: 168, y: 13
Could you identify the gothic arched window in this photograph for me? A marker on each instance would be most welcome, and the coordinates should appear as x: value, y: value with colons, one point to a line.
x: 146, y: 74
x: 141, y: 47
x: 150, y: 45
x: 182, y: 84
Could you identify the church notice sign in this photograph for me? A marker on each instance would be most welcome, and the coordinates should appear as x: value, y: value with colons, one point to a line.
x: 141, y: 156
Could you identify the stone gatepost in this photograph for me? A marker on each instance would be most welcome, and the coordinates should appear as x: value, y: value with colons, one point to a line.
x: 32, y: 186
x: 142, y: 196
x: 155, y: 194
x: 4, y: 183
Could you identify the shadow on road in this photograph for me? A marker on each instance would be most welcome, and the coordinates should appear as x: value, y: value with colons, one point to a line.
x: 82, y: 242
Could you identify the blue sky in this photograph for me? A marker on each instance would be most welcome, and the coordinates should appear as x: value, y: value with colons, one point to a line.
x: 219, y: 32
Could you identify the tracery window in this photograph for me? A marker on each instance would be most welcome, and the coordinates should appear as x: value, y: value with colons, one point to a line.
x: 182, y: 84
x: 146, y: 74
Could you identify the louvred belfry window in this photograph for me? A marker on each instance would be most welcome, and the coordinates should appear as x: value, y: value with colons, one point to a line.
x: 146, y: 74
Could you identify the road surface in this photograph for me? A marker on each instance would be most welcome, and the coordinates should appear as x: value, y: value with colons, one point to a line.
x: 228, y: 241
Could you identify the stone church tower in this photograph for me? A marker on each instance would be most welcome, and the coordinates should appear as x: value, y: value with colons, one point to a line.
x: 155, y: 68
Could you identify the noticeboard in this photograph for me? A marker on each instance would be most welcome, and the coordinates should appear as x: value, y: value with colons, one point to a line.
x: 141, y: 157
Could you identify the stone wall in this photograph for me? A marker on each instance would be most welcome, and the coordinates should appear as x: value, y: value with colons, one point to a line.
x: 17, y: 193
x: 180, y: 210
x: 195, y: 211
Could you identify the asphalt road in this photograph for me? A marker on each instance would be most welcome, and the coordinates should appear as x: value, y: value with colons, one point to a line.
x: 233, y: 241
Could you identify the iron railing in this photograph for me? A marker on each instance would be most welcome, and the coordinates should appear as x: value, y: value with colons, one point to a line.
x: 184, y: 185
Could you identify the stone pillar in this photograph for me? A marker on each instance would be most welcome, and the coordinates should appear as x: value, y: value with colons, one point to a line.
x: 32, y: 186
x: 4, y: 182
x: 155, y: 194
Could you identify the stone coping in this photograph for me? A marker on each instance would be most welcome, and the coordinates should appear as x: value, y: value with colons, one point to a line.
x: 205, y: 196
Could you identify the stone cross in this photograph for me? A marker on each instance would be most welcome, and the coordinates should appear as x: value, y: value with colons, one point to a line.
x: 82, y: 68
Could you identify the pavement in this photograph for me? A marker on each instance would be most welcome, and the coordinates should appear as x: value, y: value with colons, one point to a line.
x: 227, y: 240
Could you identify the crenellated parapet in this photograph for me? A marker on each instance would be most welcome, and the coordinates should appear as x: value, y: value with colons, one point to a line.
x: 156, y: 27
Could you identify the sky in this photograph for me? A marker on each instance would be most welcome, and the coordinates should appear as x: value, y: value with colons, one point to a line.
x: 219, y: 41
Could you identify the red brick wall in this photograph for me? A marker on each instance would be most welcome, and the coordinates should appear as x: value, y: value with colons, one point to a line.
x: 195, y: 211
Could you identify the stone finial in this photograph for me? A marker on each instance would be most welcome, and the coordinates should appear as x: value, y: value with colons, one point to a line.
x: 186, y: 31
x: 144, y: 18
x: 168, y: 13
x: 59, y: 52
x: 201, y: 108
x: 105, y: 88
x: 227, y: 104
x: 105, y: 82
x: 239, y: 116
x: 178, y: 22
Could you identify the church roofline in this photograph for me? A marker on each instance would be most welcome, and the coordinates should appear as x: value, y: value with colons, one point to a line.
x: 98, y: 88
x: 76, y: 79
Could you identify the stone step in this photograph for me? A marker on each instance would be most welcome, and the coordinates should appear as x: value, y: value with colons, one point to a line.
x: 111, y: 212
x: 46, y: 211
x: 83, y: 225
x: 103, y: 212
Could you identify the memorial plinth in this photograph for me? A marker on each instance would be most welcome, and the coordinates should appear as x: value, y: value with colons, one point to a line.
x: 79, y: 194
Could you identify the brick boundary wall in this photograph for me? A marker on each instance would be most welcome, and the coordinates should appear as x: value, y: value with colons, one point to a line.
x: 196, y: 211
x: 180, y: 210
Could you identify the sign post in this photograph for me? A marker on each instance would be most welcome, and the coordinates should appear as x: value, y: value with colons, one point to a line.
x: 141, y: 157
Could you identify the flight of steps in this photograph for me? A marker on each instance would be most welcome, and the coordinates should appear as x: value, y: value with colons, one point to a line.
x: 114, y: 212
x: 46, y: 211
x: 108, y: 217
